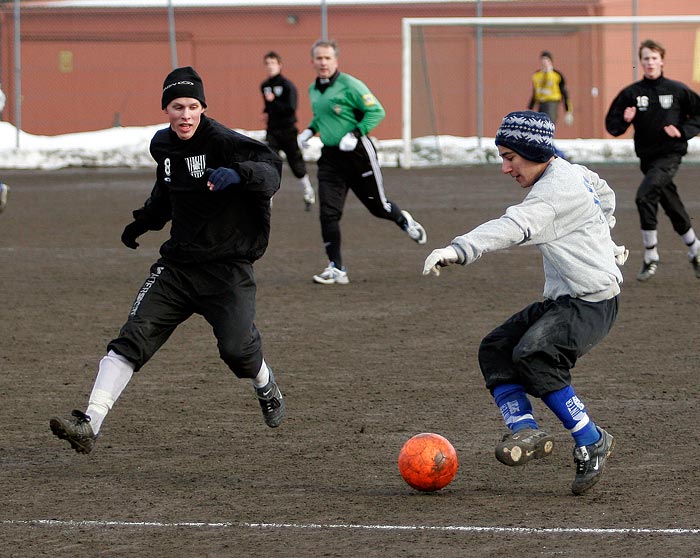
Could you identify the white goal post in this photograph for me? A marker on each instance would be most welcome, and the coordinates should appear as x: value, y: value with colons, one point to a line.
x: 408, y: 24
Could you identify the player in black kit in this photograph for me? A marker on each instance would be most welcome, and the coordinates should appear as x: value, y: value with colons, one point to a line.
x: 281, y: 99
x: 214, y: 186
x: 665, y: 115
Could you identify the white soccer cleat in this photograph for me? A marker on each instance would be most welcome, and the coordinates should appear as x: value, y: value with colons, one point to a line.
x: 414, y: 229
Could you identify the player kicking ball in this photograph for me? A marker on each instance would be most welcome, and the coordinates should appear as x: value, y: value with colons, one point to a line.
x: 568, y: 214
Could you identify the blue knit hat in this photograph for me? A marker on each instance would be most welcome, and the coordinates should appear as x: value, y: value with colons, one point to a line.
x: 530, y: 134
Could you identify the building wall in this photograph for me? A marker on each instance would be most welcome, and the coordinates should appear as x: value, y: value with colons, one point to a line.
x: 85, y: 69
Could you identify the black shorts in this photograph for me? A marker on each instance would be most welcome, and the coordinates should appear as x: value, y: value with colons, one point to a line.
x: 537, y: 347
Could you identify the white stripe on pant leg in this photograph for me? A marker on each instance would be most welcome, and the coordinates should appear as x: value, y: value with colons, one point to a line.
x: 376, y: 169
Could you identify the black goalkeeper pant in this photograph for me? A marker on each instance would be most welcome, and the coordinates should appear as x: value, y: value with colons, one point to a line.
x: 224, y: 294
x: 359, y: 171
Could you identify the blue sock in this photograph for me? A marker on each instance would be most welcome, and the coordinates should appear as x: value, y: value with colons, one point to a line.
x: 514, y: 406
x: 571, y: 411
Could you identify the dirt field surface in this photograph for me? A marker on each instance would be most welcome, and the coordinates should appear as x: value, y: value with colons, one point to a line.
x: 184, y: 465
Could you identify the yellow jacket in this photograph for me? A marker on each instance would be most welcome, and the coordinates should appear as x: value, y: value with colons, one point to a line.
x: 548, y: 87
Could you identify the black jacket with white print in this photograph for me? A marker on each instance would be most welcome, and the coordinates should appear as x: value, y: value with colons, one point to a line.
x: 223, y: 226
x: 659, y: 102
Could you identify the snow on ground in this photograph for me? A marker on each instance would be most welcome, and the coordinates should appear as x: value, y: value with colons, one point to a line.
x: 128, y: 147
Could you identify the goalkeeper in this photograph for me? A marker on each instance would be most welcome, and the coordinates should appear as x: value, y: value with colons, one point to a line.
x: 344, y: 112
x: 549, y: 91
x: 567, y: 213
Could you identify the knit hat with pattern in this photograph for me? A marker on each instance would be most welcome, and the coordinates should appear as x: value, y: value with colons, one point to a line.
x: 530, y: 134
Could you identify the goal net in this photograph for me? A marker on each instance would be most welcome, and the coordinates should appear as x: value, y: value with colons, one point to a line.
x: 462, y: 75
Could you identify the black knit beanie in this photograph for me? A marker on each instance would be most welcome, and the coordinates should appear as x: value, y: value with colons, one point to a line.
x: 183, y: 82
x: 530, y: 134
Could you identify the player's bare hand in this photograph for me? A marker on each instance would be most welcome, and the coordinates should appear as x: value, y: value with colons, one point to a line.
x: 672, y: 131
x: 629, y: 114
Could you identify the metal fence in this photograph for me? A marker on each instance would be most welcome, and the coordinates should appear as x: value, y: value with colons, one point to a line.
x: 79, y: 65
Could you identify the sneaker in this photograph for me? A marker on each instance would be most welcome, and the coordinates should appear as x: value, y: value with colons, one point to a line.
x: 648, y: 270
x: 590, y: 462
x: 271, y: 402
x: 76, y: 430
x: 695, y: 262
x: 520, y: 447
x: 309, y: 197
x: 4, y: 189
x: 332, y: 276
x: 414, y: 229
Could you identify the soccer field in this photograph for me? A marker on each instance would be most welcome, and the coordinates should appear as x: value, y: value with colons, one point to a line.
x: 185, y: 466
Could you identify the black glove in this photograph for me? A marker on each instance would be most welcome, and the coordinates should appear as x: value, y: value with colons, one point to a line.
x: 131, y: 232
x: 222, y: 178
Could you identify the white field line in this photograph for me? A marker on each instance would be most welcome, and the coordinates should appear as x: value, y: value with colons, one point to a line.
x: 358, y: 527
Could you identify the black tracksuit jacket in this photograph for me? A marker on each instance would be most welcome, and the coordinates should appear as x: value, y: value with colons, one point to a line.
x: 224, y: 226
x: 659, y: 102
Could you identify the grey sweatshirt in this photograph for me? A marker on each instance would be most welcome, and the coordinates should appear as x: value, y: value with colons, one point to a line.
x: 568, y: 215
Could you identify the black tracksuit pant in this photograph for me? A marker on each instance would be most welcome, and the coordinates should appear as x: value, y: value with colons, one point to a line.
x: 223, y: 293
x: 285, y: 140
x: 656, y: 188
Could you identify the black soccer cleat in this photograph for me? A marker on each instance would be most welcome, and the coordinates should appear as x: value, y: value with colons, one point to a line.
x: 520, y: 447
x: 76, y: 430
x: 648, y: 270
x: 695, y: 263
x: 590, y: 462
x: 271, y: 402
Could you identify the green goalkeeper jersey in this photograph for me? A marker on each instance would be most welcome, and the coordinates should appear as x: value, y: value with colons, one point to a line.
x: 345, y: 105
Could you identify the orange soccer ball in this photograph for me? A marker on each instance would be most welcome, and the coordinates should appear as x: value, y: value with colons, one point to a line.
x: 428, y: 462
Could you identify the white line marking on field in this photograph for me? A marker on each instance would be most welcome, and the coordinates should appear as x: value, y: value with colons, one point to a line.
x: 359, y: 527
